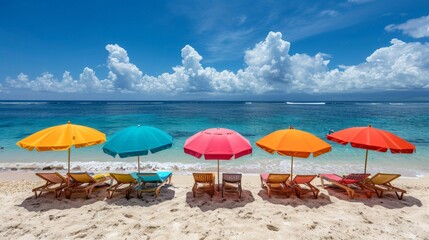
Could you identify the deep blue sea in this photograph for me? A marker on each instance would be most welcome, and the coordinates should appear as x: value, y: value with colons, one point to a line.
x: 252, y: 119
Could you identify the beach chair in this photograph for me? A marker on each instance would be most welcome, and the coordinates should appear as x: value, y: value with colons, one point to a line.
x: 355, y: 180
x: 152, y: 181
x: 231, y: 182
x: 55, y: 183
x: 275, y: 183
x: 84, y: 182
x: 302, y: 185
x: 204, y: 182
x: 125, y: 182
x: 381, y: 182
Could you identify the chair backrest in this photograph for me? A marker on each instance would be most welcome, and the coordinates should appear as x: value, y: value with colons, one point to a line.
x: 123, y: 177
x: 81, y: 177
x: 204, y: 177
x: 149, y: 177
x: 231, y: 177
x: 278, y: 177
x: 301, y: 179
x: 355, y: 177
x: 54, y: 177
x: 383, y: 178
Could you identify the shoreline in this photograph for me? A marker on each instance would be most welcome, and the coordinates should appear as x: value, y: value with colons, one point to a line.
x: 177, y: 214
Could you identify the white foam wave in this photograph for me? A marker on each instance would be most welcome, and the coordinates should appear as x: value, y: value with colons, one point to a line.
x: 305, y: 103
x: 23, y: 103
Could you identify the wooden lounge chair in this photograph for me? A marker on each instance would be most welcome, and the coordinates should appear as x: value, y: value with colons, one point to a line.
x: 152, y: 182
x: 84, y: 182
x: 302, y: 185
x: 125, y: 182
x: 204, y: 182
x: 275, y: 183
x: 355, y: 180
x: 231, y: 182
x: 381, y: 182
x: 55, y: 183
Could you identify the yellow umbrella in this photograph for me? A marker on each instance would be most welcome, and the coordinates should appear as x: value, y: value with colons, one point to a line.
x: 294, y: 143
x: 62, y: 137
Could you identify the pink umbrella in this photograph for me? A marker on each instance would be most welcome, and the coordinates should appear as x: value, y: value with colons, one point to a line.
x: 217, y: 144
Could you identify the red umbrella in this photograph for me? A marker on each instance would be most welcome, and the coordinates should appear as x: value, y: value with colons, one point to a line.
x: 217, y: 144
x: 370, y: 138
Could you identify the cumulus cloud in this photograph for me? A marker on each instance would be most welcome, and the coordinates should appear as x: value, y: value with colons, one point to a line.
x: 269, y: 67
x: 416, y: 28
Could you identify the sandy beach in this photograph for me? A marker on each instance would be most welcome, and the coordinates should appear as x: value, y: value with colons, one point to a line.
x: 176, y: 214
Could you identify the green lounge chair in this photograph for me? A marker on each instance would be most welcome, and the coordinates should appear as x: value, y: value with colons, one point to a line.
x: 381, y: 182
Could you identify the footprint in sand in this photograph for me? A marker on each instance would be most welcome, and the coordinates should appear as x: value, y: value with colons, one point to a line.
x: 151, y: 229
x: 272, y: 228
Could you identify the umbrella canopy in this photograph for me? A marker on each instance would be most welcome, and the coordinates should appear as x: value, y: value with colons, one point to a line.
x: 371, y: 138
x: 137, y: 141
x: 294, y: 143
x: 217, y: 144
x: 62, y: 137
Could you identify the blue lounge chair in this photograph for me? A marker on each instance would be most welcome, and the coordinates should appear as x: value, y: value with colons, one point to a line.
x: 152, y: 181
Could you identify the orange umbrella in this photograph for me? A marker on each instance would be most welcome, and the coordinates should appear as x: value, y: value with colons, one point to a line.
x: 294, y: 143
x: 371, y: 138
x: 62, y: 137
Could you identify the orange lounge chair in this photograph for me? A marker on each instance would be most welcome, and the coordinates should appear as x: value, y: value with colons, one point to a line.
x: 204, y: 182
x: 302, y: 185
x: 347, y: 182
x: 84, y: 182
x: 381, y: 182
x: 125, y: 182
x: 231, y: 182
x: 55, y: 183
x: 275, y: 183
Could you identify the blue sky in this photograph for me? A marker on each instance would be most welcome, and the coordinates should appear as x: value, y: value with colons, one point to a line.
x: 227, y: 50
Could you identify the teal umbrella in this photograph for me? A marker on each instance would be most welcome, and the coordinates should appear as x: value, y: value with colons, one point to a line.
x: 137, y: 141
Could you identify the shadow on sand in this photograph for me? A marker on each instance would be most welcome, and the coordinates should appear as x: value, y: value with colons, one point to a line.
x: 229, y: 201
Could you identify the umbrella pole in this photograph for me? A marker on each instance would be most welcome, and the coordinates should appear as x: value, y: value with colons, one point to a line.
x: 218, y: 176
x: 138, y: 163
x: 366, y: 159
x: 291, y: 168
x: 68, y: 167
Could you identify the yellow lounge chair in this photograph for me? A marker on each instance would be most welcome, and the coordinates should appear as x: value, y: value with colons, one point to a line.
x: 152, y: 181
x: 381, y: 182
x: 231, y: 182
x: 204, y: 182
x: 55, y: 183
x: 302, y: 185
x: 275, y: 183
x: 125, y: 182
x: 84, y: 182
x: 347, y: 182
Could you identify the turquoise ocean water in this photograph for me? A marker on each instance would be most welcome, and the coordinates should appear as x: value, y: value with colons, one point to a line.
x: 252, y: 119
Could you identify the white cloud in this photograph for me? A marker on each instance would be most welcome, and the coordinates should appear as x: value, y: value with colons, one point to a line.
x: 416, y: 28
x: 268, y: 67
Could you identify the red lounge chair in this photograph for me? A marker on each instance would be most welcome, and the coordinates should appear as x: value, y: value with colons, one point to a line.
x: 302, y: 185
x: 347, y: 182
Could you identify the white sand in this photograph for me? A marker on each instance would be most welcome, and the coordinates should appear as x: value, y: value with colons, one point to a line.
x: 176, y: 214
